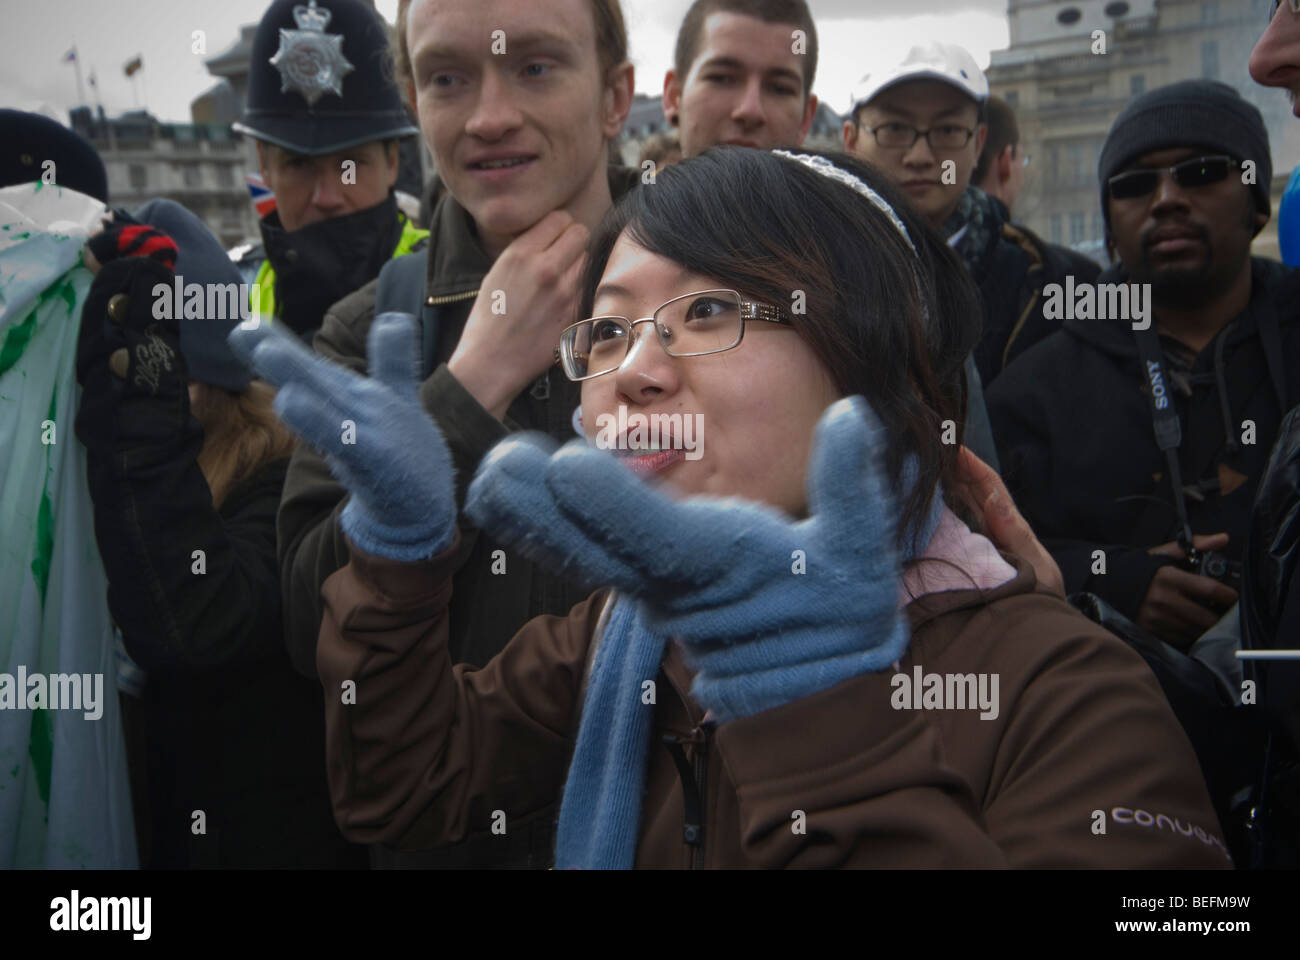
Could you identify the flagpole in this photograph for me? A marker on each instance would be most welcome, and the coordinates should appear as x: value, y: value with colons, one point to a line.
x: 76, y: 65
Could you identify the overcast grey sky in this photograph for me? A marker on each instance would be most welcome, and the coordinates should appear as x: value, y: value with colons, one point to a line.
x: 108, y: 33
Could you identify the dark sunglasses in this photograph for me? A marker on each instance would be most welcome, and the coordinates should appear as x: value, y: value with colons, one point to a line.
x: 1196, y: 172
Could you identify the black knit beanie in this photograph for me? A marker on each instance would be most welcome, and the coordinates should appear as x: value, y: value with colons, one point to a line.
x: 1191, y: 113
x: 30, y: 139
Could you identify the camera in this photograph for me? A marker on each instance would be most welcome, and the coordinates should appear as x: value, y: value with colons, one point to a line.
x: 1216, y: 566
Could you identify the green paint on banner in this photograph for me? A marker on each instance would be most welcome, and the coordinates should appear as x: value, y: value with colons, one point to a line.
x: 41, y: 749
x: 43, y: 554
x: 44, y: 543
x: 64, y: 290
x: 69, y: 294
x: 39, y: 185
x: 18, y: 336
x: 16, y: 340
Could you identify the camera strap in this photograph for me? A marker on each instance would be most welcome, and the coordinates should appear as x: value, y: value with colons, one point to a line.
x: 1164, y: 418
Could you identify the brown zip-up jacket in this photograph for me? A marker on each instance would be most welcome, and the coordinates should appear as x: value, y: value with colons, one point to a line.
x: 1084, y: 764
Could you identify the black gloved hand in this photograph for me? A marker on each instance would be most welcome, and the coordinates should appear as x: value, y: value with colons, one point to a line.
x: 129, y: 363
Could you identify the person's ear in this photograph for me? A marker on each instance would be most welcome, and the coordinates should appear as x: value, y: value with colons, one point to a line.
x: 981, y: 135
x: 809, y: 112
x: 672, y: 98
x: 850, y: 133
x: 262, y: 152
x: 618, y: 98
x: 393, y: 155
x: 1261, y: 218
x: 1006, y: 159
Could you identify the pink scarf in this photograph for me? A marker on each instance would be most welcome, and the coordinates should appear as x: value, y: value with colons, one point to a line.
x: 970, y: 561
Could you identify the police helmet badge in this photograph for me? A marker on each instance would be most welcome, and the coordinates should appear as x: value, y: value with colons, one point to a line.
x: 311, y: 61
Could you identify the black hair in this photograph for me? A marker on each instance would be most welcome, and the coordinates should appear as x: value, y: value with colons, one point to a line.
x: 890, y: 324
x: 1003, y: 132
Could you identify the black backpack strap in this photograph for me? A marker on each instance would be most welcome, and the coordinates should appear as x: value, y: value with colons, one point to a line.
x: 401, y: 290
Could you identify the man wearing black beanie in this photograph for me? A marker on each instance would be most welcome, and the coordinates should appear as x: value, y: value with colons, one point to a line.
x: 1133, y: 439
x: 38, y: 148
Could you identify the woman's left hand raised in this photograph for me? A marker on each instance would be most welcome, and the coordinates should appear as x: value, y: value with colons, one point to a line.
x: 768, y: 608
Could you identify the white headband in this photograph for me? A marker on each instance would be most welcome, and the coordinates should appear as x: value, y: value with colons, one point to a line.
x: 828, y: 169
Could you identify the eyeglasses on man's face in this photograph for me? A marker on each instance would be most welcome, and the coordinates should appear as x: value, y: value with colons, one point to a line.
x: 903, y: 136
x: 692, y: 325
x: 1196, y: 172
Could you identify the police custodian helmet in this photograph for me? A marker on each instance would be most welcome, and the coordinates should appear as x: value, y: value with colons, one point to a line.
x: 320, y: 79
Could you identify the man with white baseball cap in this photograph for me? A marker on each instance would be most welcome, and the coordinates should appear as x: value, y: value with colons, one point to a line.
x: 921, y: 121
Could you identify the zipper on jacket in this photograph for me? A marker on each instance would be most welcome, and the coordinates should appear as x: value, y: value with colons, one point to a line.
x: 691, y: 773
x: 701, y: 768
x: 692, y: 826
x: 450, y: 298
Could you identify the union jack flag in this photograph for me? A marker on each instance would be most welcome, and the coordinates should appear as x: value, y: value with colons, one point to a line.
x: 263, y: 198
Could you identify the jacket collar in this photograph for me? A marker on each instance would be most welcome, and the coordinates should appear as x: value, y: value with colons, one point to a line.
x: 931, y: 606
x: 457, y: 260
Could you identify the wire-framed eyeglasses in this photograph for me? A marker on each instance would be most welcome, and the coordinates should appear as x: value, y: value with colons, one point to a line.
x: 692, y: 325
x: 903, y: 136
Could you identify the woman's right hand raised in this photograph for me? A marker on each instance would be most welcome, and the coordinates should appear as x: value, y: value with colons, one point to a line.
x: 372, y: 431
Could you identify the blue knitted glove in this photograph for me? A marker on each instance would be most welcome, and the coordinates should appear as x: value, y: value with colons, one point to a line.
x: 391, y: 457
x: 720, y: 574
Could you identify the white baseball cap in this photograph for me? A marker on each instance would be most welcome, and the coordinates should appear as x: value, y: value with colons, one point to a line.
x: 945, y: 62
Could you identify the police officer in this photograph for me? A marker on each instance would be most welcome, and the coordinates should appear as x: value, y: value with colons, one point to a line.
x: 326, y: 116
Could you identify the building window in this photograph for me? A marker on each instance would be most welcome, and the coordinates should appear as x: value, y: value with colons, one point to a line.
x: 1210, y: 60
x: 139, y: 175
x: 1074, y: 165
x: 1098, y: 228
x: 190, y: 174
x: 1055, y: 220
x: 1077, y: 232
x: 1210, y: 11
x: 225, y: 176
x: 1137, y: 84
x: 1012, y: 98
x: 1053, y: 166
